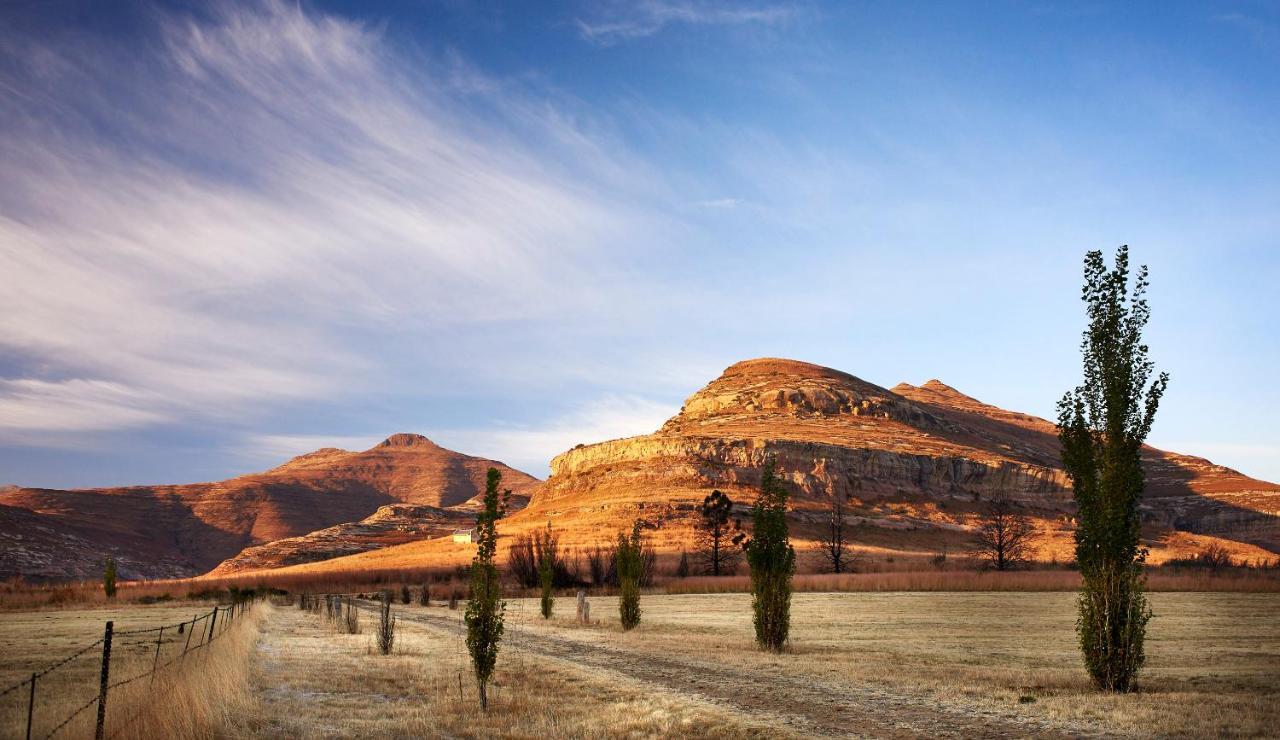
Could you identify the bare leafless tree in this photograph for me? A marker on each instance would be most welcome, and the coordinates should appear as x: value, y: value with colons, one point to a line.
x: 1005, y: 534
x: 834, y: 542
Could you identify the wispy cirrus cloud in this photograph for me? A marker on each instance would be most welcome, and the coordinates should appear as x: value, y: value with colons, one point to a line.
x: 229, y: 215
x: 616, y: 23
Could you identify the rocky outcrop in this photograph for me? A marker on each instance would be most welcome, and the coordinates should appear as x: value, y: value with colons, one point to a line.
x: 390, y: 525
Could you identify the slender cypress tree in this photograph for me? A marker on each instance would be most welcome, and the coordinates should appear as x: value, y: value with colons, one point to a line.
x: 772, y: 560
x: 547, y: 573
x: 109, y: 577
x: 630, y: 567
x: 485, y: 608
x: 1102, y: 424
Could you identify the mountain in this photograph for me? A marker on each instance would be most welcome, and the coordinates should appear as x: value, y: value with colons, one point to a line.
x: 916, y: 463
x: 183, y: 530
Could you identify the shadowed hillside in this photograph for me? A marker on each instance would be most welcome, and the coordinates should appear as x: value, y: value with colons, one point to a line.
x: 182, y: 530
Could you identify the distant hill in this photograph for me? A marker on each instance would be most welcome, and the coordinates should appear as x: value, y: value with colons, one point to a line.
x: 183, y: 530
x: 916, y: 463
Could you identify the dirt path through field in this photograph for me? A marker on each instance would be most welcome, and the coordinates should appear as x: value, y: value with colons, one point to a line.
x: 808, y: 705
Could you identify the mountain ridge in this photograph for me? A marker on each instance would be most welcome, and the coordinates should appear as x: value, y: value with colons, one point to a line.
x: 915, y: 462
x: 188, y: 529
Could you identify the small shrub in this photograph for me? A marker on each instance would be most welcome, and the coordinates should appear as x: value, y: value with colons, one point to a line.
x: 386, y: 636
x: 351, y: 618
x: 424, y: 596
x: 405, y: 596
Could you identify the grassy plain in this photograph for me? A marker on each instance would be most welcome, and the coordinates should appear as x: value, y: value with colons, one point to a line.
x: 942, y: 664
x: 883, y: 664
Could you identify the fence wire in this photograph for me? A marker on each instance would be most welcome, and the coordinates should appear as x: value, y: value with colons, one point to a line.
x: 139, y: 647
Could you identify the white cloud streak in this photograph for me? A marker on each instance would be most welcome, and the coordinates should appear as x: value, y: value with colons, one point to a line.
x: 637, y: 20
x: 203, y: 225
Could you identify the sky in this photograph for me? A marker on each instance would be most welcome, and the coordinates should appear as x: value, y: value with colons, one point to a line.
x: 232, y: 233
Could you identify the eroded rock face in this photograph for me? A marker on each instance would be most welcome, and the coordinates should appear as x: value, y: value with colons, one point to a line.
x: 832, y: 434
x: 901, y: 456
x: 769, y: 387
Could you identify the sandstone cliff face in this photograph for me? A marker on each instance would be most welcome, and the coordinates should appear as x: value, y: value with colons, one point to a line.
x: 831, y: 433
x: 919, y: 457
x: 188, y: 529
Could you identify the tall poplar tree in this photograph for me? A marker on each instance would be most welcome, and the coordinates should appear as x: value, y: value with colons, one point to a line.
x: 485, y: 608
x: 772, y: 560
x: 1102, y: 424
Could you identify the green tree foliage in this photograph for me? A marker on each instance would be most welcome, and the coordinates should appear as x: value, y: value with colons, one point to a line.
x: 713, y: 535
x: 631, y: 565
x: 1102, y: 424
x: 772, y: 560
x: 547, y: 572
x: 109, y: 577
x: 485, y: 608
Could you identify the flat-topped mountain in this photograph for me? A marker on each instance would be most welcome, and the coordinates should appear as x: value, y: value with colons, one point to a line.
x: 915, y: 464
x: 180, y: 530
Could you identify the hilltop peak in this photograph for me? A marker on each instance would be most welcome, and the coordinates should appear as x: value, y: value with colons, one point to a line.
x: 405, y: 439
x: 769, y: 386
x: 935, y: 390
x: 775, y: 366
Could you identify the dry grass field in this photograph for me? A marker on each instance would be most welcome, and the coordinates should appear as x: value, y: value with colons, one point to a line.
x: 881, y: 664
x: 190, y: 696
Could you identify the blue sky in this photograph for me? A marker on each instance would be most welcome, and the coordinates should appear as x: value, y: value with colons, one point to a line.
x: 236, y: 233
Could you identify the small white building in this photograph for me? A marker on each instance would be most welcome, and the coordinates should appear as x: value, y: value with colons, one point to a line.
x: 464, y: 535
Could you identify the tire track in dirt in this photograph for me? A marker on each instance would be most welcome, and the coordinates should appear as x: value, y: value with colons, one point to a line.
x: 807, y: 705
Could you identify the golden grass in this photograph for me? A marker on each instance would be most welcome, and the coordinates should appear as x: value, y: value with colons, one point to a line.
x: 903, y: 574
x: 884, y: 664
x: 189, y: 697
x: 314, y: 681
x: 1158, y: 579
x: 1213, y: 659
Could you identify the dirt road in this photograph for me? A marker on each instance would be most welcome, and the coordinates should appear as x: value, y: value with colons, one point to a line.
x: 807, y: 705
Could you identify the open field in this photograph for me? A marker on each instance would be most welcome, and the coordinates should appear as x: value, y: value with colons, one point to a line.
x: 197, y: 679
x: 883, y: 664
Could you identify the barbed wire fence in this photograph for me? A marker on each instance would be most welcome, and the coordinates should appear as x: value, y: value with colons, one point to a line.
x: 121, y: 649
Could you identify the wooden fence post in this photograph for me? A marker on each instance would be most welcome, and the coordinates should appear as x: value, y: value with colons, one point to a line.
x: 156, y: 660
x: 103, y: 681
x: 183, y: 659
x: 31, y: 705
